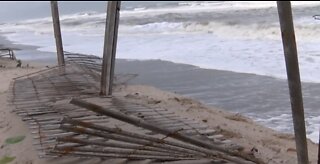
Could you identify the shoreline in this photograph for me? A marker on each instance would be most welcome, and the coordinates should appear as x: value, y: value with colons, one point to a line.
x: 255, y: 96
x: 272, y: 146
x: 261, y: 98
x: 25, y: 52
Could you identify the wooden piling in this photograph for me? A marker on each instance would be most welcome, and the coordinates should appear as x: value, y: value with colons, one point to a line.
x: 57, y: 32
x: 319, y: 150
x: 114, y: 47
x: 110, y: 44
x: 291, y: 59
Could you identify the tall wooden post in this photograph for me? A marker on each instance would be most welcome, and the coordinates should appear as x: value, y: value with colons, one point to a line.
x: 291, y: 59
x: 110, y: 46
x: 114, y: 47
x: 57, y: 32
x: 319, y: 149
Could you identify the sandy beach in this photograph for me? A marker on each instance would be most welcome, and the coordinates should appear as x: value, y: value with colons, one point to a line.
x: 193, y: 81
x: 271, y: 146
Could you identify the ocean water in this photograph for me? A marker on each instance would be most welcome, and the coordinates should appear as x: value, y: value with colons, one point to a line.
x: 237, y: 36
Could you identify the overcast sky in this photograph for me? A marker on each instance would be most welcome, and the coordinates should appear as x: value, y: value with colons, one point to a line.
x: 13, y: 10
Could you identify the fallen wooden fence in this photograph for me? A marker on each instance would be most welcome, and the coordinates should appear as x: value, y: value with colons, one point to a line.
x: 63, y: 129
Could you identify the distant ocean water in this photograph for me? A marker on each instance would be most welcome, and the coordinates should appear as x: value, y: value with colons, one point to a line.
x: 238, y: 36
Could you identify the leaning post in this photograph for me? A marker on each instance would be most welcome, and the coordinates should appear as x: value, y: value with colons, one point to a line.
x: 110, y: 45
x: 292, y: 66
x: 114, y: 47
x: 57, y: 32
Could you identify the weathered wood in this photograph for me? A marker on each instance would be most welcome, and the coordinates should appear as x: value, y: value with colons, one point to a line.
x: 8, y: 54
x: 292, y: 65
x: 319, y: 149
x: 161, y: 117
x: 136, y: 157
x: 130, y: 134
x: 57, y: 32
x: 151, y: 113
x: 109, y: 51
x: 141, y: 123
x: 114, y: 47
x: 153, y: 143
x: 135, y: 140
x: 44, y: 114
x: 126, y: 151
x: 113, y: 144
x: 52, y: 136
x: 29, y: 74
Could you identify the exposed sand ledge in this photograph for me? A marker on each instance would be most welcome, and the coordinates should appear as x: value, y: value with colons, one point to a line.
x: 273, y: 147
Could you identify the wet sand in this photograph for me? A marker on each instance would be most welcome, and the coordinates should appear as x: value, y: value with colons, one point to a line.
x: 260, y: 97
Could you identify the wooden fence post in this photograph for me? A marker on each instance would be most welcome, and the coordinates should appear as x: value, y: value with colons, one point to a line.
x: 292, y: 65
x: 57, y: 32
x: 110, y: 46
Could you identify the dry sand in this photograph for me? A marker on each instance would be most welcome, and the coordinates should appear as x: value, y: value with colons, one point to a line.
x: 271, y: 146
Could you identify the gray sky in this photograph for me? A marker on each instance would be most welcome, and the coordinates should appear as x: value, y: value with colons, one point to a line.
x: 12, y: 11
